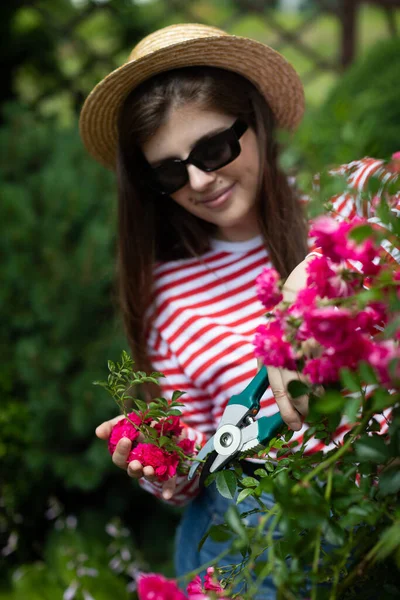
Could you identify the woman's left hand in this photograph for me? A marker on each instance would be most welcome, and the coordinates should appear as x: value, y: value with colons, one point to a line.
x: 293, y: 410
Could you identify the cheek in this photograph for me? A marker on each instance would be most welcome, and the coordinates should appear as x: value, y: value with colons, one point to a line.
x: 183, y: 198
x: 251, y: 161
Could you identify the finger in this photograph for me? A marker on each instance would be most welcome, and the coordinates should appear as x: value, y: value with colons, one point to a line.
x: 300, y: 403
x: 121, y: 453
x: 168, y: 488
x: 103, y: 431
x: 288, y: 412
x: 135, y: 469
x: 149, y: 473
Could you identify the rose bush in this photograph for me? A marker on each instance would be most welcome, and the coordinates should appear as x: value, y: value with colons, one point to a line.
x: 336, y: 509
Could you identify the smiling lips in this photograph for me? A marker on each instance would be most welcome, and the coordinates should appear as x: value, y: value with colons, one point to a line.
x: 217, y: 197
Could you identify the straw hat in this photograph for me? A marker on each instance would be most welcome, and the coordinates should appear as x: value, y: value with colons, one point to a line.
x: 182, y: 46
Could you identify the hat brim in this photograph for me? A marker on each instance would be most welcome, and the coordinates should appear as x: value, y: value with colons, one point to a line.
x: 268, y: 70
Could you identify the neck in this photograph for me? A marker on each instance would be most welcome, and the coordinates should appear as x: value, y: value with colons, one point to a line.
x: 239, y: 233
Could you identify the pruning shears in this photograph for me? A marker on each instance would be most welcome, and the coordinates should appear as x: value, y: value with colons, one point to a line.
x: 238, y: 431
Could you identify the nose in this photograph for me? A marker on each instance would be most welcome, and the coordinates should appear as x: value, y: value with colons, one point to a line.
x: 199, y: 180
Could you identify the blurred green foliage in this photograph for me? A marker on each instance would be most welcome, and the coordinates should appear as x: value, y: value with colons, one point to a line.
x: 361, y: 116
x: 79, y: 557
x: 60, y: 324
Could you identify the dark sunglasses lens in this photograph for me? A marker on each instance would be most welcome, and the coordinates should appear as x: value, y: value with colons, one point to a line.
x: 216, y: 152
x: 171, y: 176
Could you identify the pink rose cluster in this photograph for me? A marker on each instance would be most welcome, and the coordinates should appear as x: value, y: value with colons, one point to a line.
x: 165, y: 463
x: 330, y: 313
x: 153, y: 586
x: 267, y: 288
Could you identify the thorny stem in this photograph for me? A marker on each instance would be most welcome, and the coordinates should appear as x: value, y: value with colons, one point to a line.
x: 211, y: 563
x: 338, y: 568
x: 317, y: 549
x: 270, y: 544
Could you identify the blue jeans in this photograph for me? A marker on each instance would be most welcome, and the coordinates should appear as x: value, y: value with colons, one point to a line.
x: 206, y: 510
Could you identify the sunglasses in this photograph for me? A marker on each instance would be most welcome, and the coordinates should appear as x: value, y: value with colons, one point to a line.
x: 208, y: 155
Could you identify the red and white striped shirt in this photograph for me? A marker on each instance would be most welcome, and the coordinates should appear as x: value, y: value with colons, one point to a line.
x: 204, y: 318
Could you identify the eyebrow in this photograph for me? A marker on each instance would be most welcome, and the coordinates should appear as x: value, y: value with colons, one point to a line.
x: 203, y: 138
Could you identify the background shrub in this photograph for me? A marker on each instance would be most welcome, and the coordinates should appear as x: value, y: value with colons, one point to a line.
x: 60, y: 326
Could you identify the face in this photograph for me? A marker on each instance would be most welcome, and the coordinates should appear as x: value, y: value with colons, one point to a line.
x: 225, y: 197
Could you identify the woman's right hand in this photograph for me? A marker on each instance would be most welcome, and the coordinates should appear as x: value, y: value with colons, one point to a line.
x: 134, y: 469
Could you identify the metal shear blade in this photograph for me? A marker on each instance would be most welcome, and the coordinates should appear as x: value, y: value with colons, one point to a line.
x: 237, y: 430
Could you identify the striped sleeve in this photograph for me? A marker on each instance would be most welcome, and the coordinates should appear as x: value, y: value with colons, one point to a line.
x: 354, y: 203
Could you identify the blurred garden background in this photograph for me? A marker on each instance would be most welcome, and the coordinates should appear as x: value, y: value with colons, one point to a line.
x: 71, y: 524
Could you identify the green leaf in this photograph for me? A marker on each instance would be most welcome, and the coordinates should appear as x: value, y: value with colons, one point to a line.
x: 141, y: 405
x: 361, y: 233
x: 350, y: 380
x: 152, y: 433
x: 390, y: 541
x: 250, y: 482
x: 244, y: 494
x: 298, y: 388
x: 381, y: 399
x: 330, y: 402
x: 226, y: 483
x: 232, y: 518
x: 289, y: 435
x: 175, y: 412
x: 367, y: 373
x: 389, y: 481
x: 352, y: 408
x: 333, y: 533
x: 163, y: 440
x: 266, y: 484
x: 372, y: 449
x: 261, y: 473
x: 176, y: 395
x: 219, y: 533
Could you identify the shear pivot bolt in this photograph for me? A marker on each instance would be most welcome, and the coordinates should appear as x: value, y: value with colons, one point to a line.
x: 226, y: 440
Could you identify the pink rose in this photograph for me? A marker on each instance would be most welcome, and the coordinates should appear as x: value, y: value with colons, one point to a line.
x: 368, y: 255
x: 157, y: 587
x: 396, y: 278
x: 331, y: 326
x: 371, y: 317
x: 305, y: 300
x: 331, y: 237
x: 195, y: 590
x: 321, y: 370
x: 210, y: 582
x: 272, y: 347
x: 267, y: 288
x: 385, y: 357
x: 328, y: 282
x: 169, y: 425
x: 164, y: 463
x: 187, y: 446
x: 124, y: 428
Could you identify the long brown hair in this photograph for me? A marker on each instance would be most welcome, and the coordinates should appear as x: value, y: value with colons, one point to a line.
x: 154, y: 227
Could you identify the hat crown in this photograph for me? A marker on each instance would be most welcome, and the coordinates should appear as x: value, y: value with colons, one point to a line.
x: 173, y: 34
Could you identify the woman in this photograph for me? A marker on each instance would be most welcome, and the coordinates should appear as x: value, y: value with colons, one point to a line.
x: 189, y: 124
